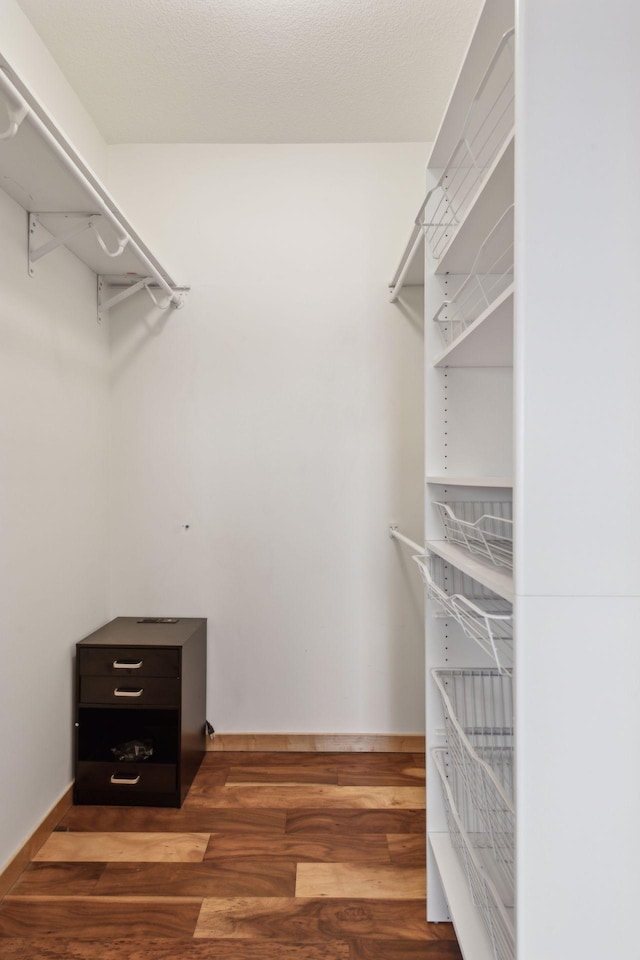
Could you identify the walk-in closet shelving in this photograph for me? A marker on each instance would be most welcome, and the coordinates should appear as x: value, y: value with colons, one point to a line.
x: 484, y: 617
x: 476, y: 773
x: 489, y: 118
x: 491, y: 275
x: 68, y: 206
x: 484, y: 529
x: 476, y: 321
x: 549, y: 428
x: 495, y: 194
x: 468, y: 225
x: 487, y: 897
x: 485, y: 342
x: 476, y: 172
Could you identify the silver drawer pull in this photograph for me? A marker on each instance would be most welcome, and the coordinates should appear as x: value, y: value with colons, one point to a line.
x: 127, y: 664
x: 129, y: 782
x: 128, y: 693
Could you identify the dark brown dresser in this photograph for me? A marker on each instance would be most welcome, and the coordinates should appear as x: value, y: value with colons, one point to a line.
x: 140, y: 688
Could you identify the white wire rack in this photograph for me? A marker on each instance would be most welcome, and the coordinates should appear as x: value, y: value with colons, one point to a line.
x: 478, y: 717
x: 485, y: 617
x: 482, y: 528
x: 488, y: 123
x: 485, y: 891
x: 491, y: 274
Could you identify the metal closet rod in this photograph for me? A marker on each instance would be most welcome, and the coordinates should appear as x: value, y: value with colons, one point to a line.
x: 12, y: 92
x: 395, y: 534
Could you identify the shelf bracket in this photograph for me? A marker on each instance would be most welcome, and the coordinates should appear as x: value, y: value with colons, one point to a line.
x: 36, y: 253
x: 84, y: 222
x: 106, y: 304
x: 176, y: 300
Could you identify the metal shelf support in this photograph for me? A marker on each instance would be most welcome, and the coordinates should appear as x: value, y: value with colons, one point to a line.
x: 84, y: 221
x: 129, y: 290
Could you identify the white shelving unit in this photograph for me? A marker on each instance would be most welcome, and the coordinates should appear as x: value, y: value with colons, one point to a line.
x: 469, y: 426
x: 536, y: 396
x: 69, y: 207
x: 469, y: 453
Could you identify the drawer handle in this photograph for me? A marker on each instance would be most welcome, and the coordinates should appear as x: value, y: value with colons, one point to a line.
x: 128, y: 693
x: 128, y: 781
x: 127, y: 664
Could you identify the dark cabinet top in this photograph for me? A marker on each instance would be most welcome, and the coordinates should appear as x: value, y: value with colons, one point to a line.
x: 131, y: 632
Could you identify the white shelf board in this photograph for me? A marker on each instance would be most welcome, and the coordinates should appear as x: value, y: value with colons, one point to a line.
x: 488, y: 341
x: 410, y: 271
x: 506, y: 482
x: 498, y: 579
x: 36, y: 177
x: 471, y: 933
x: 493, y: 198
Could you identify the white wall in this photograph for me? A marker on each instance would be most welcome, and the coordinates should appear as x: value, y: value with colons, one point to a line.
x: 23, y: 49
x: 53, y: 514
x: 53, y: 472
x: 280, y: 415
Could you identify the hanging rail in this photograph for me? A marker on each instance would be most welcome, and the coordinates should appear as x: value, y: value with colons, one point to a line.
x: 14, y: 96
x: 395, y: 534
x: 415, y: 242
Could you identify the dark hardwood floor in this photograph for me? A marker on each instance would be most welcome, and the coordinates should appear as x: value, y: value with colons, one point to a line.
x: 274, y: 856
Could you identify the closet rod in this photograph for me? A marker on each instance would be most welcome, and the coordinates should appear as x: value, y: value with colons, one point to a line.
x: 12, y: 92
x: 395, y: 534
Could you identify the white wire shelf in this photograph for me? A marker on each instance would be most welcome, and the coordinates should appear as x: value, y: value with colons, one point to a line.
x: 491, y: 274
x: 478, y: 717
x: 487, y: 341
x: 487, y: 125
x: 485, y: 618
x: 483, y: 528
x: 471, y: 933
x: 494, y: 196
x: 486, y: 894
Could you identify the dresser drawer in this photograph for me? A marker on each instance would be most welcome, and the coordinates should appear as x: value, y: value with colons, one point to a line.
x: 130, y: 692
x: 128, y: 662
x: 127, y: 780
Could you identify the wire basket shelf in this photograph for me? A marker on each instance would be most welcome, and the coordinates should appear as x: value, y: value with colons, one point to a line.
x: 491, y: 275
x: 485, y: 617
x: 485, y: 889
x: 478, y: 717
x: 488, y: 123
x: 482, y: 528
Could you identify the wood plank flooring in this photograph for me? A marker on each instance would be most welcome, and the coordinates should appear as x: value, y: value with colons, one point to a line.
x: 274, y: 856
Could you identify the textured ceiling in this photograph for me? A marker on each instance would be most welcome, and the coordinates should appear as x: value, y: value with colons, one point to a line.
x: 259, y: 71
